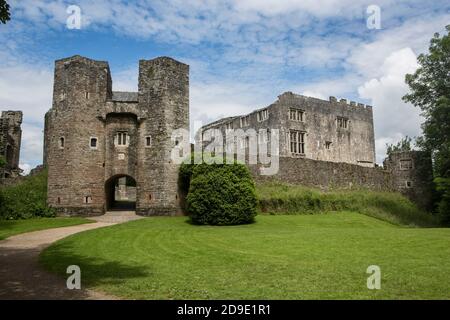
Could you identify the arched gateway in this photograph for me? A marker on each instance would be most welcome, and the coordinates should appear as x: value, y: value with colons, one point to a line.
x: 120, y: 193
x: 111, y: 150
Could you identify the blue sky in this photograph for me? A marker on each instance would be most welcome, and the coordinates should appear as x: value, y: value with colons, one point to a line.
x: 242, y: 53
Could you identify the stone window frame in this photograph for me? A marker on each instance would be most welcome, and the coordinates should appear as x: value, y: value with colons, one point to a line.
x: 96, y: 143
x: 118, y: 138
x: 148, y: 138
x: 297, y: 145
x: 296, y: 114
x: 264, y: 138
x: 87, y: 200
x: 245, y: 121
x: 62, y: 142
x: 262, y: 115
x: 342, y: 122
x: 408, y: 184
x: 229, y: 126
x: 410, y: 167
x: 328, y: 145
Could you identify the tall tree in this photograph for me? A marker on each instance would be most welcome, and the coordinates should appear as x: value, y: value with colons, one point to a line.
x: 4, y: 11
x: 430, y: 91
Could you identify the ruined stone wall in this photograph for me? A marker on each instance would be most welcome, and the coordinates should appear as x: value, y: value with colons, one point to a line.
x: 328, y: 175
x: 10, y: 141
x: 412, y: 175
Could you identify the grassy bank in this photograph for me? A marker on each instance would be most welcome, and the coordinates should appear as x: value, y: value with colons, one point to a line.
x: 12, y: 227
x: 279, y: 198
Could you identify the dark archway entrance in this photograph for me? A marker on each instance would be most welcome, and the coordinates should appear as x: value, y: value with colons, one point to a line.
x: 120, y: 191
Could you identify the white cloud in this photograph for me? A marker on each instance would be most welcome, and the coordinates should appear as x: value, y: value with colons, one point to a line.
x: 258, y: 41
x: 32, y: 144
x: 26, y: 87
x: 26, y: 168
x: 393, y: 118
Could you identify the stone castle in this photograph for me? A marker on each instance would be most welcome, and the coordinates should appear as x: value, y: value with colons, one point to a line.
x: 104, y: 148
x: 10, y: 141
x: 312, y: 128
x: 94, y: 136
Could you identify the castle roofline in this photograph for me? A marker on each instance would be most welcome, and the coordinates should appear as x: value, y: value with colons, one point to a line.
x: 77, y: 57
x: 222, y: 120
x: 165, y: 58
x: 332, y: 99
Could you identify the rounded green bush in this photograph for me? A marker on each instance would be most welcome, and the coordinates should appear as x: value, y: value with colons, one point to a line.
x: 221, y: 194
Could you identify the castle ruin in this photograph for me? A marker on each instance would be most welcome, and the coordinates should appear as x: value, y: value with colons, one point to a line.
x: 103, y: 147
x: 10, y: 141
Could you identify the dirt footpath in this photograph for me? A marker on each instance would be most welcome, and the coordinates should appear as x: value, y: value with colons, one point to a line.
x: 22, y: 278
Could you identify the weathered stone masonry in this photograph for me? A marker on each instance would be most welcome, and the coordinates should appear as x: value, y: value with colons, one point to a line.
x: 337, y: 147
x: 10, y: 141
x: 94, y: 136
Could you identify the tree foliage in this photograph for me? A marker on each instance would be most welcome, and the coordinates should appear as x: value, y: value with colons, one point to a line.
x: 404, y: 144
x: 430, y: 91
x: 4, y: 11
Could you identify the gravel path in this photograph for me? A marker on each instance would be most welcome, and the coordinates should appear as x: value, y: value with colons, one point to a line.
x: 22, y: 278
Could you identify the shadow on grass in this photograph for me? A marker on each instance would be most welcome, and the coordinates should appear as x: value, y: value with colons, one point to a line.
x: 94, y: 271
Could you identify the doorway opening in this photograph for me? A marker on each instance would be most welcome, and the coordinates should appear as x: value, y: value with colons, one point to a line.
x: 120, y: 193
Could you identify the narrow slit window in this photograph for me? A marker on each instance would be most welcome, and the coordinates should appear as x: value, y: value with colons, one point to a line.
x: 148, y: 141
x: 61, y: 143
x: 93, y: 143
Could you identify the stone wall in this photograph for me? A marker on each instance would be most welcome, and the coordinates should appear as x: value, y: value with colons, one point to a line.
x: 328, y: 175
x: 81, y: 177
x: 10, y: 141
x: 412, y: 174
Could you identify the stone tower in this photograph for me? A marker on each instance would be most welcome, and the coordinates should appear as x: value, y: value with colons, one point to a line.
x: 94, y: 136
x: 10, y: 141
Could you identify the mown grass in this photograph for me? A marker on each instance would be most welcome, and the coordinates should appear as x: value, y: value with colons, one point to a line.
x: 279, y: 198
x: 12, y: 227
x: 278, y: 257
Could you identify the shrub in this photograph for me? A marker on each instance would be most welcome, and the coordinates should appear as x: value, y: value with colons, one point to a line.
x: 220, y: 194
x: 26, y: 199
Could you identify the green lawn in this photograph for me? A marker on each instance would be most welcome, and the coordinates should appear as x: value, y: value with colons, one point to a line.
x: 278, y: 257
x: 11, y: 227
